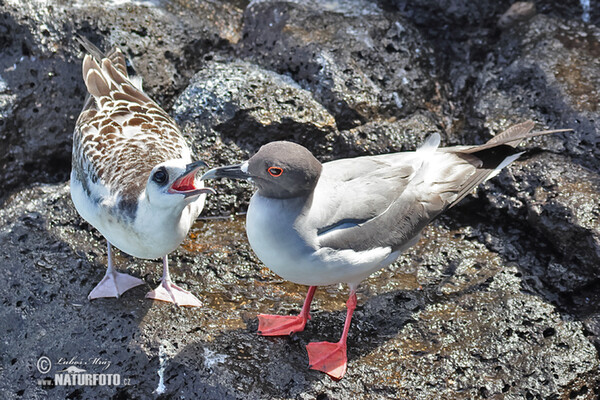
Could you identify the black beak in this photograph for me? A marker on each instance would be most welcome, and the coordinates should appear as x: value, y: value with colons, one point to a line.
x: 230, y: 171
x: 193, y: 167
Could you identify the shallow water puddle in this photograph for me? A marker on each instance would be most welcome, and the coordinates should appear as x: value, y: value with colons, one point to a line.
x: 213, y: 235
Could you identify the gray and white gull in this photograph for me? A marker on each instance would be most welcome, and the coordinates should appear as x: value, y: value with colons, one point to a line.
x: 132, y: 174
x: 321, y: 224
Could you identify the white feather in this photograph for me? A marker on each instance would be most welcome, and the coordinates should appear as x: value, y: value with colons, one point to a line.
x: 271, y: 225
x: 502, y: 165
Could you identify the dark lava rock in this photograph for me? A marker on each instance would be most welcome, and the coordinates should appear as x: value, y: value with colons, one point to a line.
x: 462, y: 33
x: 450, y: 319
x: 547, y: 70
x: 40, y: 68
x: 563, y: 204
x: 499, y: 299
x: 360, y: 61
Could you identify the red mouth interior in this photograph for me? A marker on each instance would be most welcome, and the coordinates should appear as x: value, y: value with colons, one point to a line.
x: 184, y: 184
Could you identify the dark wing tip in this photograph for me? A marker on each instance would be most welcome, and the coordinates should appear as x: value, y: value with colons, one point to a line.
x: 115, y: 55
x: 514, y: 134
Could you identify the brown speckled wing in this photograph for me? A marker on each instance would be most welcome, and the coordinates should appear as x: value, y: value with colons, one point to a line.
x: 121, y: 134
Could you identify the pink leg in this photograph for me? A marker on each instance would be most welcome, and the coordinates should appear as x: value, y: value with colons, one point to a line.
x: 114, y: 283
x: 331, y: 357
x: 277, y: 325
x: 170, y: 292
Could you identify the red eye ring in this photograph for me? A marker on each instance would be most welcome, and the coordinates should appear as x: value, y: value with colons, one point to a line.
x: 275, y: 171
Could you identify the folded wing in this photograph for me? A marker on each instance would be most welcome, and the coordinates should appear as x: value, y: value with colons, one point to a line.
x: 120, y: 125
x: 385, y: 201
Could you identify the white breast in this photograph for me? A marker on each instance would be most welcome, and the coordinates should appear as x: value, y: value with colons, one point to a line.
x: 153, y: 234
x: 273, y: 228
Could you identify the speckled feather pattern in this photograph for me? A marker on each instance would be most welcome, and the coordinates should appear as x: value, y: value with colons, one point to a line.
x: 121, y: 133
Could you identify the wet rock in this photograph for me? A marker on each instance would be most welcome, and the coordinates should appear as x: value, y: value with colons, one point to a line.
x: 41, y: 68
x: 560, y: 200
x: 569, y: 216
x: 360, y: 61
x: 450, y: 316
x: 546, y: 70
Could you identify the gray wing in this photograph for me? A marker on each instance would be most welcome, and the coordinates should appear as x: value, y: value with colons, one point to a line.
x: 371, y: 202
x: 385, y: 201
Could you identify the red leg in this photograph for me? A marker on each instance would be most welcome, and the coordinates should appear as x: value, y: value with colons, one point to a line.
x: 331, y: 357
x: 277, y: 325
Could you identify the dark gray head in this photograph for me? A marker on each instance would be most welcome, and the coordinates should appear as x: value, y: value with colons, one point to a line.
x: 280, y: 170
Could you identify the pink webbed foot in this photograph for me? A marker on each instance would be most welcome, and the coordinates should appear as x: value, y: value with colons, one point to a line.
x: 328, y: 357
x: 280, y: 325
x: 114, y: 284
x: 171, y: 293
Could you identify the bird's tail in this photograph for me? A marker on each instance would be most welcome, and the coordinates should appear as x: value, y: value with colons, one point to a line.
x: 513, y: 136
x: 115, y: 55
x: 492, y: 156
x: 106, y: 77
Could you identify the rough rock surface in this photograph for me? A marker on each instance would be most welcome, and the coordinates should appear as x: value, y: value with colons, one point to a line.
x: 360, y: 61
x: 450, y: 319
x: 40, y: 68
x: 499, y: 299
x: 229, y: 109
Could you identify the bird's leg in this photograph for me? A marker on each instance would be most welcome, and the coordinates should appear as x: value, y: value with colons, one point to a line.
x: 114, y: 283
x: 170, y: 292
x: 277, y: 325
x: 331, y: 357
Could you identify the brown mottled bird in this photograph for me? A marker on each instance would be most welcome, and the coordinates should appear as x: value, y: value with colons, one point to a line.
x: 132, y: 176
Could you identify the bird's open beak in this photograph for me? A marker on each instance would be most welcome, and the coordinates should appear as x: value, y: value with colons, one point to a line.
x: 186, y: 185
x: 231, y: 171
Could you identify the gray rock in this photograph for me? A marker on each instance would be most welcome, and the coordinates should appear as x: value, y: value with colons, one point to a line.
x: 41, y: 68
x: 518, y: 12
x: 7, y: 103
x: 450, y: 317
x: 359, y: 61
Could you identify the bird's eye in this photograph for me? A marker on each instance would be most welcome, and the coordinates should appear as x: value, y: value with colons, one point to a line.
x: 275, y: 171
x: 160, y: 176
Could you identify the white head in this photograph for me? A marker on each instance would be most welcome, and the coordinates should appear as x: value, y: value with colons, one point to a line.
x: 173, y: 184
